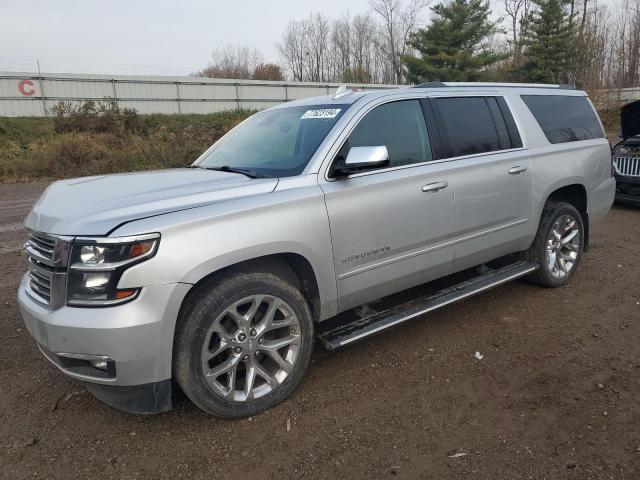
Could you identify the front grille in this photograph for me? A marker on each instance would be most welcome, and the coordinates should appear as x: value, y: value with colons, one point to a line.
x: 47, y: 261
x: 628, y: 166
x: 43, y: 244
x: 40, y: 278
x: 626, y: 160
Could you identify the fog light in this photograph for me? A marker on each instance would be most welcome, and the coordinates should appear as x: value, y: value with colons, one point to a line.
x: 99, y: 364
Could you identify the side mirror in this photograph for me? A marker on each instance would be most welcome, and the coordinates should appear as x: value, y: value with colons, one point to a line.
x: 361, y: 159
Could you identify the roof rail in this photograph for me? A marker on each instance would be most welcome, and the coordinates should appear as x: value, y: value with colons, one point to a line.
x: 431, y: 85
x: 492, y: 84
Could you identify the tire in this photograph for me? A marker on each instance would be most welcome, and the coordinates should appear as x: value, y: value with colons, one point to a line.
x: 246, y: 326
x: 558, y: 257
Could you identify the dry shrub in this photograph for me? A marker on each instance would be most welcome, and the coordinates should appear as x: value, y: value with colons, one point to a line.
x: 93, y: 116
x: 64, y: 147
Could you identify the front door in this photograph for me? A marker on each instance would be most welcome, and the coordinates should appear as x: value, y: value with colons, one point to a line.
x: 391, y: 227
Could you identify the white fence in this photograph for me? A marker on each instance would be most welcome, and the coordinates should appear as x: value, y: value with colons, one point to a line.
x: 629, y: 95
x: 26, y: 94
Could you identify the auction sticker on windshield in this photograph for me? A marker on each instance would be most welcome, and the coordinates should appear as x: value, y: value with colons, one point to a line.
x: 323, y: 113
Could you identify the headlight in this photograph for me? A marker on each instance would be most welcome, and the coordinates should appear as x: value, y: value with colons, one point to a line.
x: 98, y: 263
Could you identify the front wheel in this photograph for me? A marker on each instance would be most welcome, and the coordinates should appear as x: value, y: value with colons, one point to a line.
x: 558, y: 245
x: 244, y: 344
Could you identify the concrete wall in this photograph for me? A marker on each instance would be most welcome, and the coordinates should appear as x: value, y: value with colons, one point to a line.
x: 25, y: 94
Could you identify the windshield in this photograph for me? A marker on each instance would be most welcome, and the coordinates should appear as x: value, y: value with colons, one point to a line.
x: 275, y: 143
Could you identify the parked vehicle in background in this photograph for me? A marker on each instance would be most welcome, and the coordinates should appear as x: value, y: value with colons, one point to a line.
x: 221, y: 276
x: 626, y: 155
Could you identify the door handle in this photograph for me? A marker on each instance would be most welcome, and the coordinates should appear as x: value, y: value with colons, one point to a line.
x: 434, y: 187
x: 517, y: 170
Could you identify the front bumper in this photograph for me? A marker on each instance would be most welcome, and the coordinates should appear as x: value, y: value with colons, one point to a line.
x: 628, y: 189
x: 136, y: 337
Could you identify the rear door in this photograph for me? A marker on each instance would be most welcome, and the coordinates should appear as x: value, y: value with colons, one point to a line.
x: 491, y: 174
x: 390, y: 228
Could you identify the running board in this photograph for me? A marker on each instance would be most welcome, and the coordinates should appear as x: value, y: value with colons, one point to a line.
x: 379, y: 321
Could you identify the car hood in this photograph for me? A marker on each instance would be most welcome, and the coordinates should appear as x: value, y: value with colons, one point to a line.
x: 630, y: 119
x: 96, y: 205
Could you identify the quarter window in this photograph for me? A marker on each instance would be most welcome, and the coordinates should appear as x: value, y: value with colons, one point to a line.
x: 564, y: 118
x: 399, y: 126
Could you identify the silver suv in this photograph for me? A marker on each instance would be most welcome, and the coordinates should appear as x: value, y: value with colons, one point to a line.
x: 220, y: 276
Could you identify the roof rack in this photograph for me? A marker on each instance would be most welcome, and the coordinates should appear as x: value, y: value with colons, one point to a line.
x: 431, y: 85
x: 491, y: 84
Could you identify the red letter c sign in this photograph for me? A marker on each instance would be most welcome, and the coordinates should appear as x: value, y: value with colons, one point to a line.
x: 25, y: 87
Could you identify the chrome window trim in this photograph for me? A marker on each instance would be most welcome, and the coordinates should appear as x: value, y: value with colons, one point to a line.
x: 431, y: 162
x: 374, y: 103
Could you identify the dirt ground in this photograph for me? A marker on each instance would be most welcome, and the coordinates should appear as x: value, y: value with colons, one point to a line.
x: 556, y: 395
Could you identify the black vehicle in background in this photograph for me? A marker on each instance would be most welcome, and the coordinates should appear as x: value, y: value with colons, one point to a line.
x: 626, y: 155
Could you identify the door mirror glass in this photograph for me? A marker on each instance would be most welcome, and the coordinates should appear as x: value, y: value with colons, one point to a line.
x: 360, y: 159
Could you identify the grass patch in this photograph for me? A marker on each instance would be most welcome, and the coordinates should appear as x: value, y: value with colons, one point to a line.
x: 101, y: 143
x: 97, y: 139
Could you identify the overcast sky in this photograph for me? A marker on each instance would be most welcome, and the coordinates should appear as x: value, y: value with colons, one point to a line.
x: 170, y: 37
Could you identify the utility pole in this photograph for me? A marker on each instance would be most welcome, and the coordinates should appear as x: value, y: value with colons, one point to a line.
x: 44, y: 103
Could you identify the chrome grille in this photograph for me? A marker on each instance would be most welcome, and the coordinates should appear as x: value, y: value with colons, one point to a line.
x: 628, y: 166
x: 47, y: 261
x: 40, y: 278
x: 43, y: 244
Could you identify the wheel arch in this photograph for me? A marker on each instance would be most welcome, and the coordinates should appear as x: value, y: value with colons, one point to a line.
x: 574, y: 194
x: 293, y: 267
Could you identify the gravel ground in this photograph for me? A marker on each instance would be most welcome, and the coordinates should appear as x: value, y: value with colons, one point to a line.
x: 556, y: 395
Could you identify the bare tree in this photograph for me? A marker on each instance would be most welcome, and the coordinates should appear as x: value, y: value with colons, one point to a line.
x: 232, y: 61
x: 397, y: 25
x: 363, y: 30
x: 317, y: 47
x: 388, y: 11
x: 584, y: 16
x: 341, y: 38
x: 293, y: 49
x: 515, y: 10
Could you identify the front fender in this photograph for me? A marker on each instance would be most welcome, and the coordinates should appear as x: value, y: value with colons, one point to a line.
x: 195, y: 243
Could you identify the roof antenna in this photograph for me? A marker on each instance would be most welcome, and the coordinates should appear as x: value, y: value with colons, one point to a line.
x: 342, y: 91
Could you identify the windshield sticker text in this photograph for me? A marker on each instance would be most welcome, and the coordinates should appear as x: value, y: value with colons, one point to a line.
x: 324, y: 113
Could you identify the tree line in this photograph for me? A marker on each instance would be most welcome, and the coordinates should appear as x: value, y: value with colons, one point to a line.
x: 591, y: 43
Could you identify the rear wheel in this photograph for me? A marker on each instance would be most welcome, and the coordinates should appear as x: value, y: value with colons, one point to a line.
x: 558, y: 245
x: 244, y: 344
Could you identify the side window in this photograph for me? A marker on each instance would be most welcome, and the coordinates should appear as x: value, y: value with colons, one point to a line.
x: 498, y: 120
x: 514, y: 135
x: 469, y: 125
x: 400, y: 126
x: 564, y: 118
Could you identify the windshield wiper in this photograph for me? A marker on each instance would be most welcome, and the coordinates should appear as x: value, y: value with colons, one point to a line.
x: 226, y: 168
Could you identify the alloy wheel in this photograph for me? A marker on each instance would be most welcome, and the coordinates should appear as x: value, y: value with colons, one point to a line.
x: 251, y: 348
x: 563, y: 244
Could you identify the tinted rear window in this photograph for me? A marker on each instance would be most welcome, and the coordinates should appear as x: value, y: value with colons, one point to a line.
x: 564, y: 118
x: 468, y: 124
